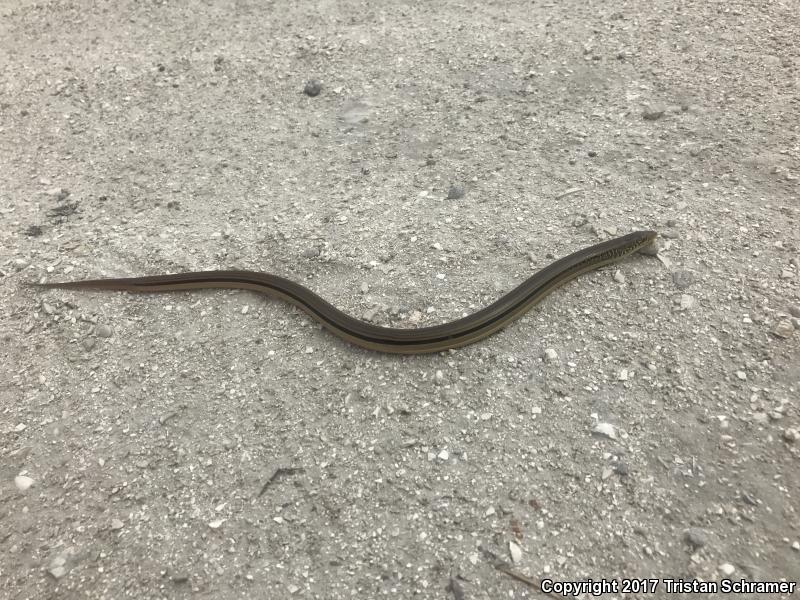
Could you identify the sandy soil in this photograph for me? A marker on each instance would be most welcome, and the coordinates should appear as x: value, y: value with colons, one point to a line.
x: 641, y: 422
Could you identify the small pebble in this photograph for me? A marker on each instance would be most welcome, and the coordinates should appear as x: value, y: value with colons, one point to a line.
x: 455, y: 192
x: 787, y: 274
x: 653, y: 112
x: 605, y: 429
x: 696, y: 537
x: 443, y: 455
x: 550, y: 355
x: 687, y: 301
x: 748, y: 499
x: 313, y: 88
x: 783, y: 329
x: 117, y: 524
x: 164, y: 418
x: 57, y: 572
x: 216, y: 524
x: 619, y: 277
x: 23, y: 482
x: 57, y: 568
x: 741, y: 375
x: 727, y: 569
x: 103, y: 330
x: 515, y: 552
x: 311, y: 252
x: 796, y: 546
x: 791, y: 435
x: 88, y: 343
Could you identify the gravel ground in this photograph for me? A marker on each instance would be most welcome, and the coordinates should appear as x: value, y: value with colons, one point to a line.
x: 641, y: 422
